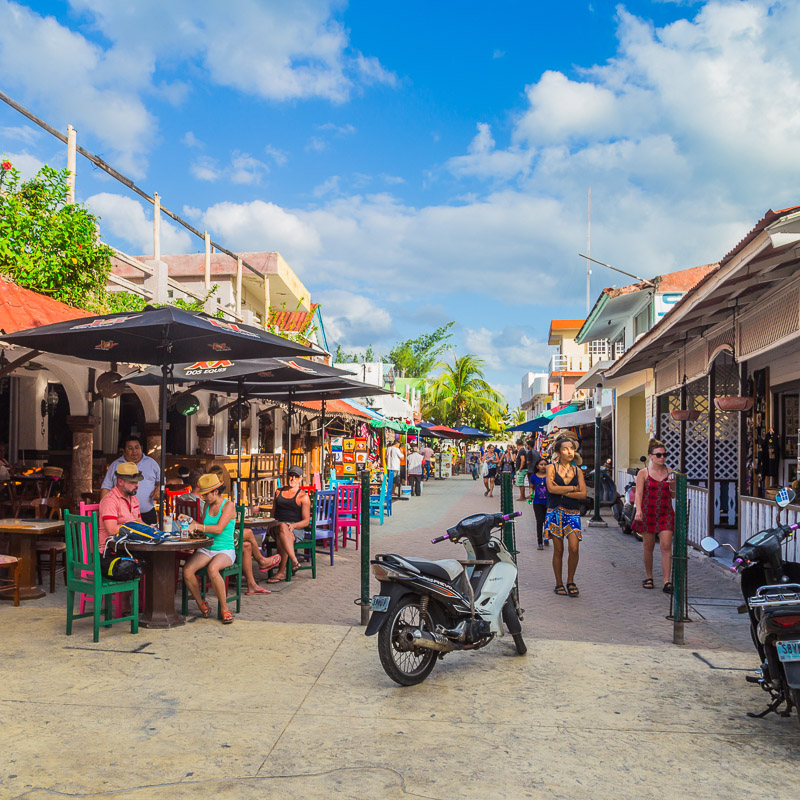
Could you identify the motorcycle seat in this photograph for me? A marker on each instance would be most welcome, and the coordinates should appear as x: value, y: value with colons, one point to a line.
x: 448, y: 569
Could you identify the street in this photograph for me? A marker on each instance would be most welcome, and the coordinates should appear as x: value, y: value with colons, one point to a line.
x: 291, y: 700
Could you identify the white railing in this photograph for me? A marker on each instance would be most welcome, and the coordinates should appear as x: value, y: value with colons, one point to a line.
x: 698, y: 513
x: 582, y: 363
x: 623, y: 479
x: 756, y: 514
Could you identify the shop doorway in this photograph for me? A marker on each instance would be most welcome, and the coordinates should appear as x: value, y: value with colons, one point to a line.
x: 59, y: 437
x: 131, y: 417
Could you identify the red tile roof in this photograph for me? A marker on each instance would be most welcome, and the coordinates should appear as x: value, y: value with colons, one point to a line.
x: 298, y: 321
x: 21, y: 308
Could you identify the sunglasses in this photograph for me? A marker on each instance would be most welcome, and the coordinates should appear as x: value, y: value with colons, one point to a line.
x: 660, y: 455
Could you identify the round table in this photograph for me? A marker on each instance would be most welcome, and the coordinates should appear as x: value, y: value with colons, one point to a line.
x: 22, y: 535
x: 160, y: 580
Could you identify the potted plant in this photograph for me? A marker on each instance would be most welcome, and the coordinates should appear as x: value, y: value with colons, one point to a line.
x: 685, y: 414
x: 733, y: 403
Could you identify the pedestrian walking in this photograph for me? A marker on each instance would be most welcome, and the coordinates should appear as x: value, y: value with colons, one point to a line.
x: 414, y: 467
x: 565, y: 488
x: 489, y: 470
x: 520, y: 469
x: 393, y: 461
x: 427, y: 454
x: 538, y: 480
x: 655, y: 516
x: 505, y: 465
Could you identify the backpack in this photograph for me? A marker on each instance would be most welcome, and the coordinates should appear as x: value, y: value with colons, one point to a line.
x: 119, y: 568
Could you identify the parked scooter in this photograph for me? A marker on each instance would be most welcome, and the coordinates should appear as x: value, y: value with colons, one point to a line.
x: 771, y: 588
x: 427, y: 608
x: 629, y: 504
x: 609, y: 497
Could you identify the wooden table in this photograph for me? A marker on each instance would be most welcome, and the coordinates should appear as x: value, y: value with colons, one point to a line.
x: 259, y: 522
x: 160, y: 580
x: 22, y: 535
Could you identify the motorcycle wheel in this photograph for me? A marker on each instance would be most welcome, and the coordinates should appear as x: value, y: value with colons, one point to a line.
x: 406, y: 667
x: 511, y: 620
x: 796, y: 699
x: 617, y: 511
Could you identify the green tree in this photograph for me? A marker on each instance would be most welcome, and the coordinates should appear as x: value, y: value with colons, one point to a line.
x: 415, y: 358
x: 48, y: 245
x: 340, y: 356
x: 460, y: 395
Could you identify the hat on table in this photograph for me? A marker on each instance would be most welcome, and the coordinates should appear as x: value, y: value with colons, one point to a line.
x: 208, y: 483
x: 128, y: 471
x: 295, y: 470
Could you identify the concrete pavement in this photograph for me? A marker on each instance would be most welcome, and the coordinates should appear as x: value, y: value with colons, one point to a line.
x: 602, y: 706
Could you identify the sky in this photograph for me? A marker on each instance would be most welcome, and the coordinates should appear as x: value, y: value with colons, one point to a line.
x: 418, y: 162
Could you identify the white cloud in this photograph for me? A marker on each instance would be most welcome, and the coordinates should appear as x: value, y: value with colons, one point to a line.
x: 509, y: 347
x: 316, y: 144
x: 241, y: 169
x: 278, y: 156
x: 126, y: 219
x: 353, y: 320
x: 20, y: 133
x: 205, y: 169
x: 190, y: 140
x: 27, y: 164
x: 328, y: 186
x: 343, y: 130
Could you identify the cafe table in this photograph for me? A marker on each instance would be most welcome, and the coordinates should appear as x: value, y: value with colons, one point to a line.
x: 22, y: 535
x: 161, y: 580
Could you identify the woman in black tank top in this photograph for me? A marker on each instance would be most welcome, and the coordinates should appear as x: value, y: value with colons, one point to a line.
x: 292, y: 510
x: 565, y: 488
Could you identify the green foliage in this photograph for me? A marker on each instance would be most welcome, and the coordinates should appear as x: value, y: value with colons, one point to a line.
x: 415, y: 358
x: 460, y: 395
x: 47, y: 245
x: 117, y: 302
x: 342, y: 357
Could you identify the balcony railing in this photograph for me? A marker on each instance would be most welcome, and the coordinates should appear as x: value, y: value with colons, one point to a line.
x: 581, y: 363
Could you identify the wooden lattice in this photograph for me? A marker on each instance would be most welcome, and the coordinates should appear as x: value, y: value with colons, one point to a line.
x: 723, y: 337
x: 666, y: 376
x: 695, y: 362
x: 779, y: 318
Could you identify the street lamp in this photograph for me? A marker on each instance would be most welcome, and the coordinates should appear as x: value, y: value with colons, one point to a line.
x: 597, y: 520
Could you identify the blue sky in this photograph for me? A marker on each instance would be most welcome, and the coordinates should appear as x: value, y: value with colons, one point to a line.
x: 417, y: 162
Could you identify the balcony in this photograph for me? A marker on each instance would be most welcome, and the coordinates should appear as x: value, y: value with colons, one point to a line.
x: 579, y: 364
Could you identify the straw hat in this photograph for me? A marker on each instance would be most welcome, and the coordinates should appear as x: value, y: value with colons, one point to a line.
x: 129, y: 471
x: 208, y: 483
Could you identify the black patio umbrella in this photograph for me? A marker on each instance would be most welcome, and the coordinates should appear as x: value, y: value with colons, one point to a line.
x: 162, y: 336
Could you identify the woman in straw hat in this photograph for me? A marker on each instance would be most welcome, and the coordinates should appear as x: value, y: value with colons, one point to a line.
x: 219, y: 522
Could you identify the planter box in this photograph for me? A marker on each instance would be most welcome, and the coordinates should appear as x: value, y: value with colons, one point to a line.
x: 733, y: 403
x: 685, y: 415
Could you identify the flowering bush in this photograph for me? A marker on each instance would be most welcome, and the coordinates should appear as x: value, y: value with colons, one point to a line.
x: 48, y: 245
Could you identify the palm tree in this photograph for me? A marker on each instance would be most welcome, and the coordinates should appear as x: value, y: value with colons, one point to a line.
x: 460, y: 395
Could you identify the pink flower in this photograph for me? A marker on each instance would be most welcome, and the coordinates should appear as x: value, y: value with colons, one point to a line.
x: 6, y: 165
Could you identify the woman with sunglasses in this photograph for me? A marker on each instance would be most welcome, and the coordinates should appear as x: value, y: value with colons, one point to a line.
x: 654, y: 512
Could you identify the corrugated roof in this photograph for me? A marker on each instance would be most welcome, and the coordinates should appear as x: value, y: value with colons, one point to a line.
x: 334, y: 407
x: 21, y: 308
x: 295, y: 321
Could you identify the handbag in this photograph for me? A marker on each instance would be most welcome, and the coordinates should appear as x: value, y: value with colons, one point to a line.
x: 120, y: 568
x: 484, y: 470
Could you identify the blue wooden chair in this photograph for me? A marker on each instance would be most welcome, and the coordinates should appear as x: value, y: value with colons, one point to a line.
x: 377, y: 502
x: 321, y: 528
x: 85, y: 576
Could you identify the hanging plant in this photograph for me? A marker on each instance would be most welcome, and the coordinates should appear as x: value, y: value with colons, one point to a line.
x: 685, y: 414
x: 733, y: 403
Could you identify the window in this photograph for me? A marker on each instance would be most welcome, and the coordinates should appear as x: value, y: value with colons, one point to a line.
x: 598, y: 347
x: 641, y: 322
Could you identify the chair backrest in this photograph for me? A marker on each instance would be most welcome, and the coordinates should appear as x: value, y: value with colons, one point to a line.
x: 348, y: 499
x: 324, y: 500
x: 83, y: 548
x: 191, y: 508
x: 333, y: 480
x: 317, y: 481
x: 238, y: 533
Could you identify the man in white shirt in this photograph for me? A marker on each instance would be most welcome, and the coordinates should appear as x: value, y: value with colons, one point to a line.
x: 394, y: 459
x: 148, y: 486
x: 414, y: 470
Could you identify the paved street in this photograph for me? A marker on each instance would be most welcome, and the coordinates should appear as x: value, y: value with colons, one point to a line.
x: 291, y: 701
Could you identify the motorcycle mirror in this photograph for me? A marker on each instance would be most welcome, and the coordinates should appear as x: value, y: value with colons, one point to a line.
x: 784, y: 497
x: 583, y: 467
x: 709, y: 544
x: 643, y: 459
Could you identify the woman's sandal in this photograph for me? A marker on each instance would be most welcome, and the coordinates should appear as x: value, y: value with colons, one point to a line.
x: 668, y: 587
x: 227, y: 617
x: 572, y: 590
x: 560, y: 590
x: 272, y: 562
x: 647, y: 583
x: 205, y: 609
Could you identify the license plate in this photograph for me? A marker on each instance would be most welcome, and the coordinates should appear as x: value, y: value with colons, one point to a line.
x: 380, y: 602
x: 788, y: 651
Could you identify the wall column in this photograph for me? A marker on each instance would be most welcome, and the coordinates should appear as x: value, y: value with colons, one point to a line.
x: 205, y: 439
x: 82, y: 428
x: 152, y: 432
x: 712, y: 450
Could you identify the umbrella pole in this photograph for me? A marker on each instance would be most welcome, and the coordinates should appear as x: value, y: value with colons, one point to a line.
x: 239, y: 443
x: 322, y: 442
x: 289, y: 437
x: 163, y: 458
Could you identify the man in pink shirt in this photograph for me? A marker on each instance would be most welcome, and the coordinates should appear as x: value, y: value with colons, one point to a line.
x: 120, y: 504
x: 427, y: 454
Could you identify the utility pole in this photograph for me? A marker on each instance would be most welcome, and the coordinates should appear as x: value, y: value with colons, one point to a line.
x: 596, y: 520
x: 589, y: 253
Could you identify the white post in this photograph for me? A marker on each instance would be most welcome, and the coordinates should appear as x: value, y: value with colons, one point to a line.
x: 266, y: 301
x: 156, y: 227
x: 238, y: 286
x: 71, y: 163
x: 208, y: 262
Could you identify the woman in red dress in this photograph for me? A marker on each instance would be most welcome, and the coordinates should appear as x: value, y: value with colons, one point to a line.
x: 654, y: 512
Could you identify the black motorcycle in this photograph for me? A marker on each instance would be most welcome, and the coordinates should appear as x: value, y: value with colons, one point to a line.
x: 427, y: 608
x: 771, y: 588
x: 609, y: 496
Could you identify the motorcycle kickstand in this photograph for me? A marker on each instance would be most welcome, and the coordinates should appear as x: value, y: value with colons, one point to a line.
x: 771, y: 708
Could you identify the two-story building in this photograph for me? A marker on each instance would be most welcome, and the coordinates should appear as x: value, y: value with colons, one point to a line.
x: 535, y: 394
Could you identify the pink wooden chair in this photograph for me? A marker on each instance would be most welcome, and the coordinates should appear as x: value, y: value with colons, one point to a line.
x: 86, y: 533
x: 318, y: 482
x: 348, y: 512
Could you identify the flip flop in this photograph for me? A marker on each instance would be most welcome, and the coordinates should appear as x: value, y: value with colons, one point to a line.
x: 647, y: 583
x: 276, y: 580
x: 260, y: 590
x: 272, y: 562
x: 227, y: 617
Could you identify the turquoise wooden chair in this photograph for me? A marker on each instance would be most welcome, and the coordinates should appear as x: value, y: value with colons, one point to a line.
x: 85, y: 576
x: 377, y: 502
x: 233, y: 571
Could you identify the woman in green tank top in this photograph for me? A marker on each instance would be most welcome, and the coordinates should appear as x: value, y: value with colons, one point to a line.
x: 219, y: 522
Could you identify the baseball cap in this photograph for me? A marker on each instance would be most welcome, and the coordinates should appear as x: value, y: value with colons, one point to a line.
x: 295, y: 470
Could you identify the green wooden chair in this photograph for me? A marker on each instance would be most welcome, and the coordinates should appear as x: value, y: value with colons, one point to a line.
x: 233, y: 571
x: 85, y: 576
